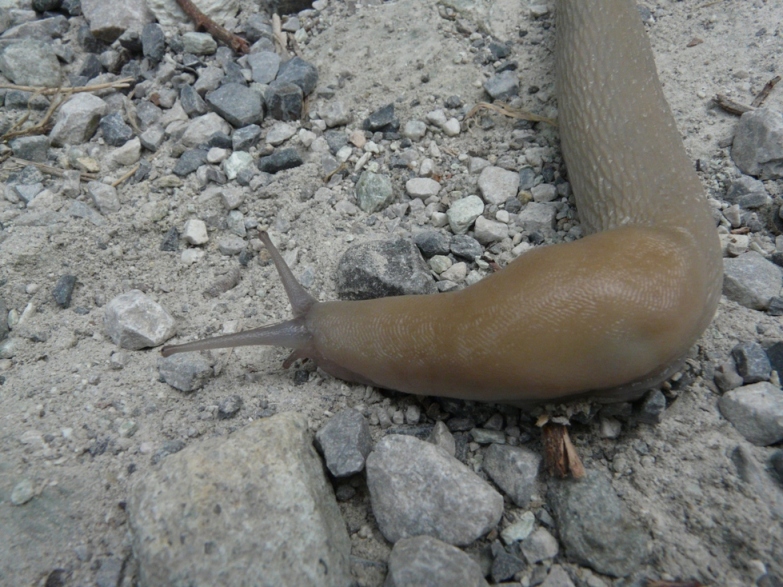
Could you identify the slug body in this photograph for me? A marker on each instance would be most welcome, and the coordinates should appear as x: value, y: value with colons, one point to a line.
x: 604, y: 317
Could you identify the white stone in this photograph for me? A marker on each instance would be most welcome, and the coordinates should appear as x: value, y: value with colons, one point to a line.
x: 451, y: 128
x: 489, y: 231
x: 544, y: 192
x: 195, y: 232
x: 456, y: 272
x: 422, y: 187
x: 217, y: 155
x: 463, y: 213
x: 280, y: 133
x: 497, y: 184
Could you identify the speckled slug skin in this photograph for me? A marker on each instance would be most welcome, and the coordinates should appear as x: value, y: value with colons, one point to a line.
x: 604, y: 317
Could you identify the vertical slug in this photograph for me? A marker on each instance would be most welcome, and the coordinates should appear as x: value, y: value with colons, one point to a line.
x: 604, y: 317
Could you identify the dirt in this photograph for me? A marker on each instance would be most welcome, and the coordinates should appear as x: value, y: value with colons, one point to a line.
x: 62, y: 402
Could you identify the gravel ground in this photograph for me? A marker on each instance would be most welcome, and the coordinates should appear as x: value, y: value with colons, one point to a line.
x: 64, y: 401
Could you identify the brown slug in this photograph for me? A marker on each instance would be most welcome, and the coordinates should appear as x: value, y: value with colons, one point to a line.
x: 604, y: 317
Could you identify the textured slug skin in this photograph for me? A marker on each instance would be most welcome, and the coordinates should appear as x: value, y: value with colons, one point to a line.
x: 604, y: 316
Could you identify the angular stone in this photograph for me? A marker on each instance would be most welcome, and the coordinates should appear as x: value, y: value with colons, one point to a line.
x: 279, y: 133
x: 195, y: 232
x: 77, y: 119
x: 463, y: 213
x: 538, y: 217
x: 189, y: 161
x: 33, y: 148
x: 264, y: 66
x: 758, y: 143
x: 432, y: 242
x: 489, y: 231
x: 422, y: 187
x: 254, y: 508
x: 544, y: 192
x: 539, y: 546
x: 201, y: 128
x: 381, y: 119
x: 335, y: 113
x: 466, y: 247
x: 284, y: 100
x: 756, y: 411
x: 30, y: 63
x: 280, y: 160
x: 199, y: 43
x: 751, y: 280
x: 300, y: 72
x: 192, y: 103
x: 424, y: 560
x: 514, y: 470
x: 374, y: 191
x: 416, y: 488
x: 134, y: 321
x: 108, y: 20
x: 238, y: 104
x: 63, y: 290
x: 595, y: 526
x: 246, y: 137
x: 383, y: 268
x: 752, y: 362
x: 345, y: 442
x: 237, y: 163
x: 503, y: 86
x: 186, y: 371
x: 104, y: 197
x: 115, y: 132
x: 497, y: 184
x: 152, y: 138
x: 153, y: 41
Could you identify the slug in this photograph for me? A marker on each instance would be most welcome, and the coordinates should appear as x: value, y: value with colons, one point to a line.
x: 605, y: 317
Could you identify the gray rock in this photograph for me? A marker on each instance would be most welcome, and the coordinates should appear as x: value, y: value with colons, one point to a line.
x: 423, y: 560
x: 231, y: 245
x: 264, y: 66
x: 77, y: 120
x: 544, y: 192
x: 539, y: 546
x: 497, y: 184
x: 775, y: 355
x: 104, y: 197
x: 189, y: 161
x: 726, y: 376
x: 502, y: 86
x: 752, y: 362
x: 229, y: 407
x: 432, y: 242
x: 374, y: 191
x: 82, y: 210
x: 46, y: 5
x: 505, y: 565
x: 280, y: 160
x: 209, y: 79
x: 30, y: 63
x: 758, y: 144
x: 246, y: 137
x: 153, y: 41
x: 63, y: 290
x: 22, y: 492
x: 199, y: 43
x: 258, y: 27
x: 185, y: 371
x: 751, y: 280
x: 485, y: 436
x: 238, y: 104
x: 747, y: 192
x: 416, y: 488
x: 108, y: 20
x: 134, y: 321
x: 380, y: 119
x: 466, y: 247
x: 382, y: 268
x: 414, y: 130
x: 91, y: 66
x: 345, y: 442
x: 595, y: 527
x: 775, y: 461
x: 756, y: 411
x: 514, y: 470
x: 4, y: 330
x: 115, y: 132
x: 201, y: 128
x: 152, y: 138
x: 335, y: 113
x: 422, y: 187
x: 300, y: 72
x: 192, y: 103
x: 652, y: 408
x: 254, y: 509
x: 489, y: 231
x: 463, y: 213
x: 538, y: 217
x: 279, y: 133
x: 33, y: 148
x: 239, y: 163
x: 110, y: 572
x: 558, y: 577
x: 27, y: 192
x: 147, y: 114
x: 284, y: 100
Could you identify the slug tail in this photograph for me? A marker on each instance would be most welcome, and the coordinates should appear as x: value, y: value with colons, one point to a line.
x: 291, y: 334
x: 301, y: 301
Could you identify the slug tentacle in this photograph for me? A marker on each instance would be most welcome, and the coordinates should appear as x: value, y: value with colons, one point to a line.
x: 301, y: 301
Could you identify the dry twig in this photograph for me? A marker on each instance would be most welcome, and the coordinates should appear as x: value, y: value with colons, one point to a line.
x: 560, y: 456
x: 202, y: 21
x: 125, y: 176
x: 44, y: 91
x: 730, y: 106
x: 507, y: 110
x: 281, y: 39
x: 84, y: 176
x: 39, y: 127
x: 765, y: 91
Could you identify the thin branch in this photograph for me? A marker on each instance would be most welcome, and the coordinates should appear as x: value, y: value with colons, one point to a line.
x: 281, y: 40
x: 765, y: 91
x: 125, y: 176
x: 202, y: 21
x: 560, y: 456
x: 84, y: 176
x: 45, y: 91
x: 509, y: 111
x: 730, y: 106
x: 41, y: 127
